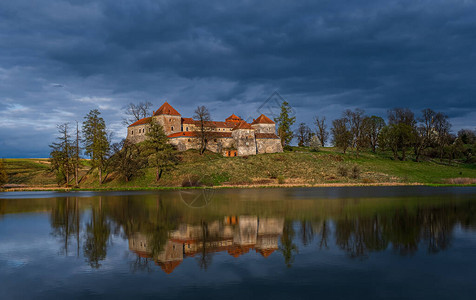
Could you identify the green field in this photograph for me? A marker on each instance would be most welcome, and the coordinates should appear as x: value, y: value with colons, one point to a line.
x: 297, y: 167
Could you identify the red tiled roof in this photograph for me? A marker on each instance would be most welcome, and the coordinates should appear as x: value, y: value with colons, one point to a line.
x: 266, y: 136
x: 141, y: 121
x: 262, y: 119
x: 188, y: 121
x: 242, y: 125
x: 183, y: 134
x: 233, y: 118
x: 166, y: 109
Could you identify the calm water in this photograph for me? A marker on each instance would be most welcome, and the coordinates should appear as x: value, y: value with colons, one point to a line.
x: 399, y: 242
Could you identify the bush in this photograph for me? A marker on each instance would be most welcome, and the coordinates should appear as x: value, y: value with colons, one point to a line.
x: 288, y: 148
x: 355, y: 172
x: 281, y: 179
x: 342, y: 171
x: 273, y: 174
x: 315, y: 144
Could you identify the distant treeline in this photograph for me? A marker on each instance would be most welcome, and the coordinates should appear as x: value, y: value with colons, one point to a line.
x: 428, y: 135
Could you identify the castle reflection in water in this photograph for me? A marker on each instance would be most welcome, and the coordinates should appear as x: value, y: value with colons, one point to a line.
x: 236, y: 235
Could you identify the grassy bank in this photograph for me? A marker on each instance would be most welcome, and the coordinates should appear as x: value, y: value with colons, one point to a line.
x: 299, y: 167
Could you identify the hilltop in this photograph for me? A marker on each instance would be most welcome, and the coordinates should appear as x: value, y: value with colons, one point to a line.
x: 299, y: 167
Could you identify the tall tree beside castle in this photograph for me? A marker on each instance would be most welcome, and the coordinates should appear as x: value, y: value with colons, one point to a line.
x: 285, y: 121
x: 3, y: 173
x: 160, y: 154
x: 95, y: 140
x: 62, y: 154
x: 202, y: 115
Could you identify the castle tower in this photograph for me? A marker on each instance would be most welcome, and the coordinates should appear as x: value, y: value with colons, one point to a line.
x: 263, y: 124
x: 169, y: 118
x: 244, y: 137
x: 233, y: 119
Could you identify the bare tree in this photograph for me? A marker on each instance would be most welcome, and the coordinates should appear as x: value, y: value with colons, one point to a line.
x: 205, y: 130
x: 355, y: 120
x: 304, y: 135
x: 135, y: 112
x: 322, y: 133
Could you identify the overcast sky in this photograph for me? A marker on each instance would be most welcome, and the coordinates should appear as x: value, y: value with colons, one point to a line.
x: 60, y: 59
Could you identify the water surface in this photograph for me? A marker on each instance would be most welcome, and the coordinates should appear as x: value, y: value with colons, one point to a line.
x: 392, y: 242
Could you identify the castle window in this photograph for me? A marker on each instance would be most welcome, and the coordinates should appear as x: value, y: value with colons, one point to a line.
x: 132, y: 132
x: 172, y: 128
x: 186, y: 129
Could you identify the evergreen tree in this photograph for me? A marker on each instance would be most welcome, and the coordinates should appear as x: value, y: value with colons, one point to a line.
x: 285, y: 121
x: 95, y: 140
x: 160, y: 154
x: 61, y: 155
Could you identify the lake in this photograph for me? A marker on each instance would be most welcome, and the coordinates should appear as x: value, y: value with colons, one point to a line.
x: 353, y: 242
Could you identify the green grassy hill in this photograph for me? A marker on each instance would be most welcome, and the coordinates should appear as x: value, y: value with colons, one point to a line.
x: 297, y: 167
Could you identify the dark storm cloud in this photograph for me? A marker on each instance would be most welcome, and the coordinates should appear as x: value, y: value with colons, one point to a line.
x: 59, y: 59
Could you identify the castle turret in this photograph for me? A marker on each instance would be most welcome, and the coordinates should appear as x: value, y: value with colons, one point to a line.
x: 169, y: 118
x: 263, y: 124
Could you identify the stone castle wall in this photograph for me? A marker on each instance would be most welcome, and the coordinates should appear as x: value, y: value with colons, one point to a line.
x: 268, y: 146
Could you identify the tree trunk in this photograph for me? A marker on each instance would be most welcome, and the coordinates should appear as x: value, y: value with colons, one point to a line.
x: 157, y: 177
x: 100, y: 175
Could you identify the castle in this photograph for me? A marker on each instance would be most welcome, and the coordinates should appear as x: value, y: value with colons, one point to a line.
x: 234, y: 137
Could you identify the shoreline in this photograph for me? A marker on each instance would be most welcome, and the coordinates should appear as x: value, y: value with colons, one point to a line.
x: 250, y: 186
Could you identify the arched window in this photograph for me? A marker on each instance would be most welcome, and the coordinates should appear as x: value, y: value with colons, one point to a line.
x: 172, y: 128
x: 132, y: 132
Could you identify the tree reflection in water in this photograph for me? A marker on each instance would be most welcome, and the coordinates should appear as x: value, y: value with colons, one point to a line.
x: 164, y: 231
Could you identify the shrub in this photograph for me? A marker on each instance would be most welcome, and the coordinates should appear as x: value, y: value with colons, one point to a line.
x: 342, y: 171
x: 288, y: 148
x: 315, y: 144
x: 281, y: 179
x: 355, y: 172
x: 273, y: 174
